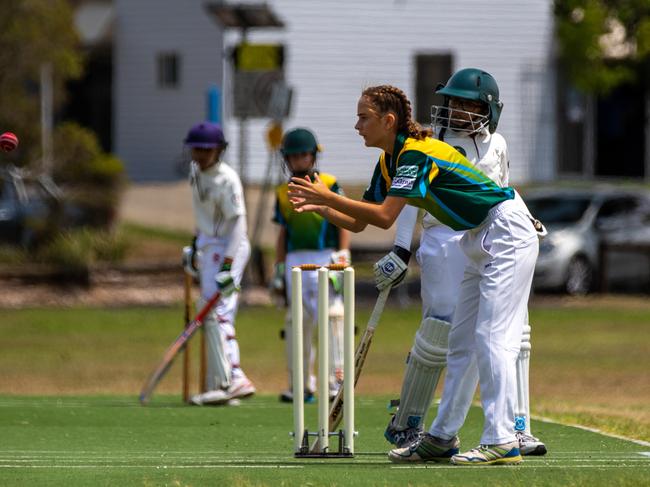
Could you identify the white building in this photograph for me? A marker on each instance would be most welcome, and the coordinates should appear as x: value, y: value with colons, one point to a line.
x: 336, y: 48
x: 167, y: 54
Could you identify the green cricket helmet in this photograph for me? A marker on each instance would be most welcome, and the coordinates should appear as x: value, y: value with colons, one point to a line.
x: 299, y: 141
x: 469, y: 84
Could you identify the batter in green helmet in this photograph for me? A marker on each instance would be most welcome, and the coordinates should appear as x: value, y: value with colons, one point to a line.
x: 308, y: 238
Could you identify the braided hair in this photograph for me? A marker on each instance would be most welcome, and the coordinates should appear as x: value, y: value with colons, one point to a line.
x: 387, y: 98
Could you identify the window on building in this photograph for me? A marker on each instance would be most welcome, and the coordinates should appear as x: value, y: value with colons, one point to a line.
x: 430, y: 70
x: 169, y: 66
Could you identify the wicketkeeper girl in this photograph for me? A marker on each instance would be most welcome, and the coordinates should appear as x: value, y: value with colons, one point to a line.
x: 501, y: 246
x: 308, y: 238
x: 467, y: 120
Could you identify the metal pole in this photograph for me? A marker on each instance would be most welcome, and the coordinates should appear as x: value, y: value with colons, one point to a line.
x: 46, y: 117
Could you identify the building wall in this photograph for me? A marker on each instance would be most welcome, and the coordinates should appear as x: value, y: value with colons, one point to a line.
x: 338, y: 47
x: 150, y: 122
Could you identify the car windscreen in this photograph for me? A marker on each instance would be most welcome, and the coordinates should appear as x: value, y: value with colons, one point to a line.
x: 558, y: 209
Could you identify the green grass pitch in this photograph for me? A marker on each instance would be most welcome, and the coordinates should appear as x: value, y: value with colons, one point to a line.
x: 112, y: 440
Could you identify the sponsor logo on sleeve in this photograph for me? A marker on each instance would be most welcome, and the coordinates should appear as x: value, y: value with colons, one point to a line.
x: 407, y: 171
x: 405, y: 177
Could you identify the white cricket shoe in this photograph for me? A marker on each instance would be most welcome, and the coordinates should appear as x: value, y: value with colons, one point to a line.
x: 503, y: 454
x: 239, y: 388
x: 529, y: 445
x: 216, y: 397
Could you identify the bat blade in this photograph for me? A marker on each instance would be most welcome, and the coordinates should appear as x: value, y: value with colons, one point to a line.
x: 336, y: 409
x: 174, y: 349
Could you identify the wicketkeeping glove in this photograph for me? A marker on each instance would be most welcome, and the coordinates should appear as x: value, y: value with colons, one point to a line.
x: 341, y: 257
x: 390, y: 270
x: 189, y: 259
x: 225, y: 280
x: 277, y: 283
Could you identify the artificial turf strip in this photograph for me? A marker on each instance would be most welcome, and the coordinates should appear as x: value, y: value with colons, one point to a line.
x: 112, y: 440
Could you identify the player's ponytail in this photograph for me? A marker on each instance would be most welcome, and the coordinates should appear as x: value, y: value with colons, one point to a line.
x: 387, y: 98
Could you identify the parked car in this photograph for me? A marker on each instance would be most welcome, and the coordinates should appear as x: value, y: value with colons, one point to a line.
x: 579, y: 221
x: 30, y: 207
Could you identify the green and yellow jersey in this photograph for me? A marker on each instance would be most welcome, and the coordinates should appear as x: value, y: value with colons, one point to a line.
x: 307, y: 230
x: 436, y: 177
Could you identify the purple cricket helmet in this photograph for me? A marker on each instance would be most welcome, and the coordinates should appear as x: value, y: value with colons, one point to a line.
x: 205, y: 135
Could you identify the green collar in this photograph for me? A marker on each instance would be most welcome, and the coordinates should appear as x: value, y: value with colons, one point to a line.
x: 400, y: 140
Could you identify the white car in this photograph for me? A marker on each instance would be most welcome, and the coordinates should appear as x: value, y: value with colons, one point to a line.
x: 579, y: 223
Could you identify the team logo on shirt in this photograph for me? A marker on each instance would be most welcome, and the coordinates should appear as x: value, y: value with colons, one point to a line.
x: 405, y: 177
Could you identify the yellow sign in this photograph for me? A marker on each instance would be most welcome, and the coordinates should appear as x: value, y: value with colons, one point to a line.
x: 274, y: 135
x: 259, y: 57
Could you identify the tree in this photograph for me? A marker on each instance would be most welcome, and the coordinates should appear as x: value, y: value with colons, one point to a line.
x: 603, y: 43
x: 33, y: 32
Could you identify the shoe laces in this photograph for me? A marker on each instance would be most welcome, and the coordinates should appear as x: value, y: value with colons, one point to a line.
x: 480, y: 448
x: 521, y: 436
x: 413, y: 434
x: 417, y: 441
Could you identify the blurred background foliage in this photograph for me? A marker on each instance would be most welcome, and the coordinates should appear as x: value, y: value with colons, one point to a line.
x: 603, y: 43
x: 92, y: 179
x: 37, y: 33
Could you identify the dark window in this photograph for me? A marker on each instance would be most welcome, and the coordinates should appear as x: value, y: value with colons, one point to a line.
x: 617, y: 207
x: 553, y: 209
x: 430, y: 70
x: 169, y: 66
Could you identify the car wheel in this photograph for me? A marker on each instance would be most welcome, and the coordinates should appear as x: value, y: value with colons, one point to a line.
x: 580, y: 276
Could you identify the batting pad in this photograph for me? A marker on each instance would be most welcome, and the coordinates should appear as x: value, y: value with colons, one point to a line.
x: 425, y: 363
x: 336, y: 345
x: 219, y: 368
x: 522, y: 406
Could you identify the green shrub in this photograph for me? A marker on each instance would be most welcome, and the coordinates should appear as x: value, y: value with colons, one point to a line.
x: 76, y: 251
x: 93, y: 180
x: 110, y: 246
x: 71, y: 251
x: 11, y: 254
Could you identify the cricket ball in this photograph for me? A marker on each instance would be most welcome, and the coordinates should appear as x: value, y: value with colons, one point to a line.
x: 8, y: 141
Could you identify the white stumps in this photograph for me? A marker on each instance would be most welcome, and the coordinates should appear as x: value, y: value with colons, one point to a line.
x: 323, y: 359
x: 320, y: 447
x: 348, y: 358
x: 298, y: 378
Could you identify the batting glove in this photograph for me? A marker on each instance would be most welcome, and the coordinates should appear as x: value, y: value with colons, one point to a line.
x: 225, y: 281
x: 390, y: 270
x: 189, y: 259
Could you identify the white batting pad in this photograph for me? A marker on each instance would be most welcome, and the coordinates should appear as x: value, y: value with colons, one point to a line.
x: 425, y: 363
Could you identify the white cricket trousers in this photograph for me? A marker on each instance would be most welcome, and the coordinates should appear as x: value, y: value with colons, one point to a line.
x: 220, y: 323
x: 486, y: 330
x: 442, y: 265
